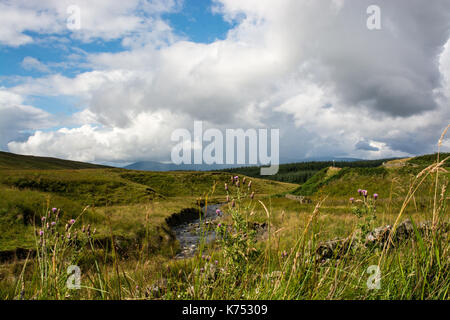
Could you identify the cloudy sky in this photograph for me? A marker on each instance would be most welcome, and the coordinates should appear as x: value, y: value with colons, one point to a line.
x: 116, y: 88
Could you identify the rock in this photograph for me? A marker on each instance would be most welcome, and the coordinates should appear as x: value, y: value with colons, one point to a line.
x: 378, y: 237
x: 404, y: 230
x: 334, y: 248
x: 301, y: 199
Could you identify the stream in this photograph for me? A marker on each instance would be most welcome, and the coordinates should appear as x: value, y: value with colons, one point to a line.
x: 190, y: 233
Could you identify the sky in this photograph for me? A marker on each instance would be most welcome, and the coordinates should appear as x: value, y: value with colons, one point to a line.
x: 114, y: 89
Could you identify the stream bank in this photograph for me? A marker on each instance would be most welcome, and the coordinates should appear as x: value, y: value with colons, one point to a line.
x: 190, y: 229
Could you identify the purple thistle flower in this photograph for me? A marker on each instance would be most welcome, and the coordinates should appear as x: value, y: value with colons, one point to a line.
x: 236, y: 178
x: 284, y: 254
x: 359, y: 191
x: 219, y: 225
x: 364, y: 192
x: 352, y: 199
x: 43, y: 219
x: 54, y: 210
x: 216, y: 262
x: 71, y: 221
x: 233, y: 203
x: 226, y: 187
x: 218, y: 212
x: 53, y: 223
x: 375, y: 196
x: 41, y: 233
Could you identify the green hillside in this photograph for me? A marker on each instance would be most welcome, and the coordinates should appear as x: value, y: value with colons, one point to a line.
x: 20, y: 162
x: 300, y: 172
x: 341, y: 182
x: 29, y: 186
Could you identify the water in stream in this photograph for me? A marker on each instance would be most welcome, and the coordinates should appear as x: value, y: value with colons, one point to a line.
x: 190, y: 234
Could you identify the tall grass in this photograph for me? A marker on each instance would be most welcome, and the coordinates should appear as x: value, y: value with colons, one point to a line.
x: 258, y: 254
x: 415, y: 269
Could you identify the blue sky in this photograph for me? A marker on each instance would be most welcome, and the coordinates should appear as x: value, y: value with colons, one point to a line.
x: 198, y: 23
x: 194, y: 20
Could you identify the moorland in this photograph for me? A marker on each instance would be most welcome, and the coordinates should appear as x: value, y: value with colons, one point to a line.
x: 116, y: 225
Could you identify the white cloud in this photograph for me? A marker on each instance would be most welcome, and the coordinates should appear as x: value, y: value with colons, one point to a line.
x: 81, y: 85
x: 16, y: 21
x: 148, y: 135
x: 100, y: 19
x: 30, y: 63
x: 311, y: 68
x: 16, y: 118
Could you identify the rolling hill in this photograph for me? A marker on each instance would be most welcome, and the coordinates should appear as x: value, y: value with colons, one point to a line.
x: 380, y: 179
x: 300, y: 172
x: 285, y: 163
x: 132, y: 208
x: 29, y: 186
x: 17, y: 161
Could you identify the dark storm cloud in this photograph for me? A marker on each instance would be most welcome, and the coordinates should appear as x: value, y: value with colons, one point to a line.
x: 392, y: 71
x: 364, y: 145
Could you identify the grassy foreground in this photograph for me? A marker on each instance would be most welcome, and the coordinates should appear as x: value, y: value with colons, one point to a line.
x: 267, y: 244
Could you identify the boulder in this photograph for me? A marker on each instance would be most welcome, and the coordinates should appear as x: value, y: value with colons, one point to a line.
x: 378, y: 237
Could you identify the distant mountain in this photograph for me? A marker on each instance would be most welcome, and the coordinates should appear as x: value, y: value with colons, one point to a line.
x: 17, y: 162
x: 159, y: 166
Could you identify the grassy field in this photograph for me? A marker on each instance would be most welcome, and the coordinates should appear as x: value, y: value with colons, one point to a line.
x: 124, y: 195
x: 267, y: 244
